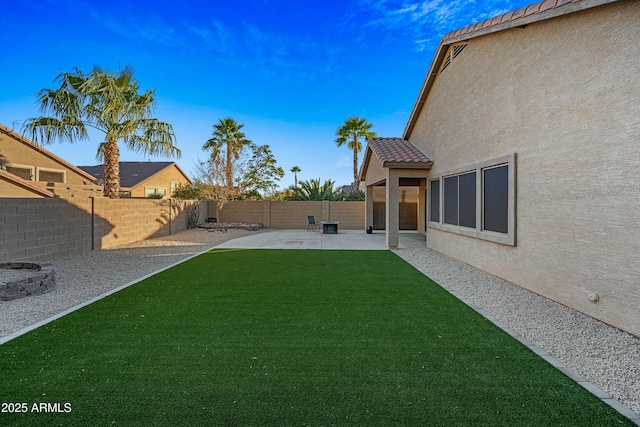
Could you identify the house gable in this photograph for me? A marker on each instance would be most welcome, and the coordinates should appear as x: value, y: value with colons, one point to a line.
x: 140, y: 179
x: 29, y: 161
x: 519, y: 18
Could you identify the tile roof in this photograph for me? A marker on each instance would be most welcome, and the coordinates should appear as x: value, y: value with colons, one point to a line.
x: 507, y: 18
x: 397, y: 151
x: 131, y: 173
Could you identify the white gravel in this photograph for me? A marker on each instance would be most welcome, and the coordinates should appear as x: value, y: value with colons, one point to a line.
x: 601, y: 354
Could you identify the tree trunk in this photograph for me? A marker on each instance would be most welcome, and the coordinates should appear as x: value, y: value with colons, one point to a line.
x: 111, y: 170
x: 356, y: 182
x: 229, y: 170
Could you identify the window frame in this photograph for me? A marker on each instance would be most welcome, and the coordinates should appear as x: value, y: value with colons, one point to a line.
x: 60, y: 171
x: 478, y: 232
x: 32, y: 170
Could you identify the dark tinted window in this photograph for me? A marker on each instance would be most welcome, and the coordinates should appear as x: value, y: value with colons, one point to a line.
x: 467, y: 200
x: 451, y: 200
x: 496, y: 199
x: 434, y: 201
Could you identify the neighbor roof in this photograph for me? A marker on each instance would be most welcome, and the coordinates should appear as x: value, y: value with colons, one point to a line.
x: 395, y: 153
x: 533, y: 13
x: 132, y: 173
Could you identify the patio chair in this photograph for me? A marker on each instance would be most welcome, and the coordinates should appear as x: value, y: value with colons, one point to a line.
x: 313, y: 225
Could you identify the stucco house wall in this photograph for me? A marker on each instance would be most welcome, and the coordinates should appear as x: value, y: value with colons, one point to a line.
x: 17, y: 151
x: 161, y: 181
x: 563, y: 95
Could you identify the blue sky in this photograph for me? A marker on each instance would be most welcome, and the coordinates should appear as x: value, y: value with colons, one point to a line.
x: 290, y: 71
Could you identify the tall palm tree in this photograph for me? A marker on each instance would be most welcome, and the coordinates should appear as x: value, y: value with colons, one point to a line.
x: 110, y: 103
x: 295, y: 171
x: 227, y: 137
x: 350, y: 133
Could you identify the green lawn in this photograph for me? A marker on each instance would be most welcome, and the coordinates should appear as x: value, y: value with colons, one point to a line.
x: 286, y: 338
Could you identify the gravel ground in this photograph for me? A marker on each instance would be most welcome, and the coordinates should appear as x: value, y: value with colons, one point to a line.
x: 601, y: 354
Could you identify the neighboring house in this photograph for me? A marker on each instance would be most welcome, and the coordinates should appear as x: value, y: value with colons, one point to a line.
x: 532, y: 122
x: 145, y: 179
x: 29, y: 170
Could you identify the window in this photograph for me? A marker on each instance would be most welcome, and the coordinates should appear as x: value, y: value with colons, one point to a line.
x: 50, y: 175
x: 24, y: 172
x: 477, y: 201
x: 434, y: 200
x: 174, y: 187
x: 460, y: 200
x: 495, y: 202
x: 148, y: 191
x: 162, y: 192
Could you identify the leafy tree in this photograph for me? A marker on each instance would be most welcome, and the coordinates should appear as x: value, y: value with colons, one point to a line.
x: 295, y: 171
x: 210, y: 181
x: 350, y: 133
x: 109, y: 102
x: 313, y: 190
x: 261, y: 173
x: 227, y: 141
x: 188, y: 191
x: 355, y: 196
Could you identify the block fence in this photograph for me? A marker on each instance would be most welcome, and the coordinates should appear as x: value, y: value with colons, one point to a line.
x: 292, y: 214
x: 46, y: 229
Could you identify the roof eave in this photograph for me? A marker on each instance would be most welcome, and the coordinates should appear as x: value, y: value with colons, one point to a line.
x: 407, y: 165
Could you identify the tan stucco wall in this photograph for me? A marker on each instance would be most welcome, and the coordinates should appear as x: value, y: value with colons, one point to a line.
x: 375, y: 173
x: 8, y: 189
x: 15, y: 152
x: 563, y: 94
x: 291, y: 214
x: 162, y: 179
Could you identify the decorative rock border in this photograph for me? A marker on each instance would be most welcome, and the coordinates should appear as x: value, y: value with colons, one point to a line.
x: 44, y: 280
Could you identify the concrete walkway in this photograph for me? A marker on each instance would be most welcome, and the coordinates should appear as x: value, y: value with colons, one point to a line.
x: 303, y: 239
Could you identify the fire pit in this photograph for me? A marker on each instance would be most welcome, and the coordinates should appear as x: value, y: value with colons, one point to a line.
x: 23, y: 278
x: 330, y: 227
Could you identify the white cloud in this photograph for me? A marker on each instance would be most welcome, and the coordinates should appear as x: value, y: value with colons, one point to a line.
x: 427, y: 21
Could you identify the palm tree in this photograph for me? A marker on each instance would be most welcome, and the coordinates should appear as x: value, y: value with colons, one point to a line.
x: 295, y: 171
x: 313, y: 190
x: 227, y: 135
x: 350, y: 133
x: 110, y: 103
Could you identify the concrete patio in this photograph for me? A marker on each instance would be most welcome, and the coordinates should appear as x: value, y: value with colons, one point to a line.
x: 303, y: 239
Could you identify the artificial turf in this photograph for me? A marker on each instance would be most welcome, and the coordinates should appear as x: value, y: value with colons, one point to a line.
x: 286, y: 337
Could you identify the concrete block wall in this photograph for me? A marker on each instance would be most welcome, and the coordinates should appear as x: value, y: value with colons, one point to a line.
x: 43, y: 229
x: 248, y: 212
x: 50, y: 228
x: 291, y: 214
x: 123, y: 221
